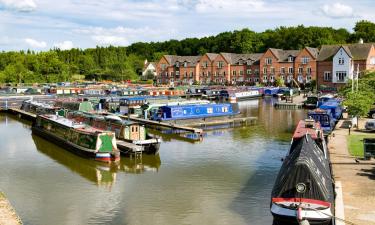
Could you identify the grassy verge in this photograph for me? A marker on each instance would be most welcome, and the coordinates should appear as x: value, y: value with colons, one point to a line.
x: 2, y: 196
x: 355, y: 143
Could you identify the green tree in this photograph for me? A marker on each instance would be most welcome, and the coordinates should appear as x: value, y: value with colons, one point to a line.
x: 280, y: 82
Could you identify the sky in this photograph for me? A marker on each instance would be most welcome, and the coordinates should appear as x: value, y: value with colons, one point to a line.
x: 44, y: 24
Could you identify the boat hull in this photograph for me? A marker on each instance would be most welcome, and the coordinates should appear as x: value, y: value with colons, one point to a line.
x: 101, y: 157
x: 284, y: 216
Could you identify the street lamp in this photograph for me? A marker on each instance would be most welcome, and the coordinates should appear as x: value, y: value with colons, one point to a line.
x: 350, y: 126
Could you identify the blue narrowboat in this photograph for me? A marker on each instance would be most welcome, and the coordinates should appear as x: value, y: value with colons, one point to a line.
x: 325, y: 118
x: 271, y: 91
x: 324, y: 98
x: 334, y: 106
x: 180, y: 112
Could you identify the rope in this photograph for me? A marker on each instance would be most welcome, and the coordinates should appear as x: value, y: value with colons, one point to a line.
x: 346, y: 221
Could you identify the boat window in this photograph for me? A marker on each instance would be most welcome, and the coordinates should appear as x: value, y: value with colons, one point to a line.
x: 185, y: 112
x: 210, y: 110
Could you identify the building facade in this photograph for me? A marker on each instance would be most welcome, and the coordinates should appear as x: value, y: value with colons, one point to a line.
x: 337, y: 64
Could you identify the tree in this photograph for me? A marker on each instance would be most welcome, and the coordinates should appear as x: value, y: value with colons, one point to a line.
x: 280, y: 82
x: 359, y: 103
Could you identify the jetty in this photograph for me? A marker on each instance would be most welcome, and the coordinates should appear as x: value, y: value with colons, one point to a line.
x: 22, y: 114
x: 240, y: 121
x: 7, y: 102
x: 8, y: 215
x: 290, y: 103
x: 152, y: 123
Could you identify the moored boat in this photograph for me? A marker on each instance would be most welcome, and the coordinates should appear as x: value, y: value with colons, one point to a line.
x: 181, y: 112
x: 77, y: 138
x: 124, y: 130
x: 304, y: 187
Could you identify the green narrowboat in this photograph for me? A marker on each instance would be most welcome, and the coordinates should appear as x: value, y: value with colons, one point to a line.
x: 78, y: 138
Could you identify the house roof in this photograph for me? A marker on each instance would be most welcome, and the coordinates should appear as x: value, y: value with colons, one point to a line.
x: 248, y: 58
x: 313, y: 51
x: 211, y: 56
x: 148, y: 64
x: 192, y: 60
x: 356, y: 51
x: 282, y: 55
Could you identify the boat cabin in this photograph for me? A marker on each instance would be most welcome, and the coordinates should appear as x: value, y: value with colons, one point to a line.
x: 131, y: 104
x: 325, y: 119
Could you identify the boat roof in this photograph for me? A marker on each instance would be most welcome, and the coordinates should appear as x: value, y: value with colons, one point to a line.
x: 317, y: 111
x: 329, y: 105
x: 307, y: 127
x: 200, y: 105
x: 71, y: 123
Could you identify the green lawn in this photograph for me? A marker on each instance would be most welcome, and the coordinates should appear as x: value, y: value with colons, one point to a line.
x: 355, y: 143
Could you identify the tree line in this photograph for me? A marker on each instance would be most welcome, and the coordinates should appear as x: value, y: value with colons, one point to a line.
x: 126, y: 63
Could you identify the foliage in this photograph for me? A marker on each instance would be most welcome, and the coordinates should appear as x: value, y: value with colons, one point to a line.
x: 280, y: 82
x: 126, y: 63
x: 359, y: 103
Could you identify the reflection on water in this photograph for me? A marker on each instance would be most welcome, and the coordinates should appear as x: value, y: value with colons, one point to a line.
x: 224, y: 179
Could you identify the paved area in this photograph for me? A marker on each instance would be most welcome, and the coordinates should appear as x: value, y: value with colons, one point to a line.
x: 357, y: 179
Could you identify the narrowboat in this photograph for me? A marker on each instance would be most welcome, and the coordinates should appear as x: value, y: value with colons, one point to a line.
x: 271, y: 91
x: 38, y: 107
x: 124, y: 130
x: 322, y: 99
x: 181, y: 112
x: 334, y: 106
x: 78, y: 138
x: 195, y: 91
x: 311, y: 102
x: 325, y: 118
x: 304, y: 187
x: 238, y: 95
x: 75, y: 104
x: 131, y: 105
x: 211, y: 94
x: 150, y: 109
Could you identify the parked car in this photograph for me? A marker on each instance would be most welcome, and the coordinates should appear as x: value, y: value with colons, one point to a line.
x: 371, y: 114
x: 370, y: 125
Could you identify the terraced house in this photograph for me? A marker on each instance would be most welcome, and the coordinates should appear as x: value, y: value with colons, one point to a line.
x: 336, y: 64
x: 331, y: 66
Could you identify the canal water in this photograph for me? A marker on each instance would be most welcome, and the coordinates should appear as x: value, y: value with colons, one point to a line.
x: 225, y: 179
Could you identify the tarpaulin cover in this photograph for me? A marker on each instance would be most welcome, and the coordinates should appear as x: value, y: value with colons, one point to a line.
x: 306, y: 165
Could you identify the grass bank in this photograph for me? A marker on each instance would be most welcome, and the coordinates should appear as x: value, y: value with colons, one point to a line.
x: 355, y: 143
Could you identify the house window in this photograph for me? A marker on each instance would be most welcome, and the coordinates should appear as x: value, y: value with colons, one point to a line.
x: 171, y: 74
x: 177, y: 64
x: 268, y: 61
x: 265, y: 78
x: 163, y: 66
x: 241, y: 72
x: 300, y: 70
x: 265, y: 70
x: 272, y: 70
x: 282, y: 70
x: 290, y: 59
x: 220, y: 64
x: 300, y: 78
x: 191, y: 74
x: 185, y: 64
x: 308, y: 70
x: 177, y: 73
x: 327, y: 76
x: 205, y: 64
x: 305, y: 60
x: 308, y: 78
x: 215, y: 73
x: 372, y: 60
x: 208, y: 74
x: 341, y: 61
x: 248, y: 71
x: 256, y: 71
x: 256, y: 79
x: 272, y: 78
x: 282, y: 77
x: 290, y: 70
x: 341, y: 75
x: 234, y: 72
x: 185, y: 75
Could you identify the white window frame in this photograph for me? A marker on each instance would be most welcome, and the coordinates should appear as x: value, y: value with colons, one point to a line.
x: 290, y: 70
x: 327, y: 76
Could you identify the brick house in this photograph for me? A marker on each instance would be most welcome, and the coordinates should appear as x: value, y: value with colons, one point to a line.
x: 244, y: 68
x: 178, y: 70
x: 336, y: 64
x: 305, y: 65
x: 221, y: 68
x: 206, y: 68
x: 277, y: 63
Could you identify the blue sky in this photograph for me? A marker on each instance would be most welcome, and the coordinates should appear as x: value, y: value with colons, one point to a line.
x: 42, y: 24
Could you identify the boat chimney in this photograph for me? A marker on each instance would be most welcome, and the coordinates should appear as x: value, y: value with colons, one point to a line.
x: 360, y: 41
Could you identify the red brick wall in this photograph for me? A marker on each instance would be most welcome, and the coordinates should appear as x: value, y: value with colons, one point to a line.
x: 311, y: 64
x: 207, y: 71
x: 262, y: 64
x: 226, y: 68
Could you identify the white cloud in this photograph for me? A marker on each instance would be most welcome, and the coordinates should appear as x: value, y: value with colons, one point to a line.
x: 337, y: 10
x: 110, y: 40
x: 123, y: 35
x: 65, y: 45
x: 19, y: 5
x: 214, y: 6
x: 35, y: 44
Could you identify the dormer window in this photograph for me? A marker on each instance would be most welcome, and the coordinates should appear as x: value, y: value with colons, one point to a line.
x: 341, y: 61
x: 177, y: 64
x: 185, y: 64
x: 290, y: 59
